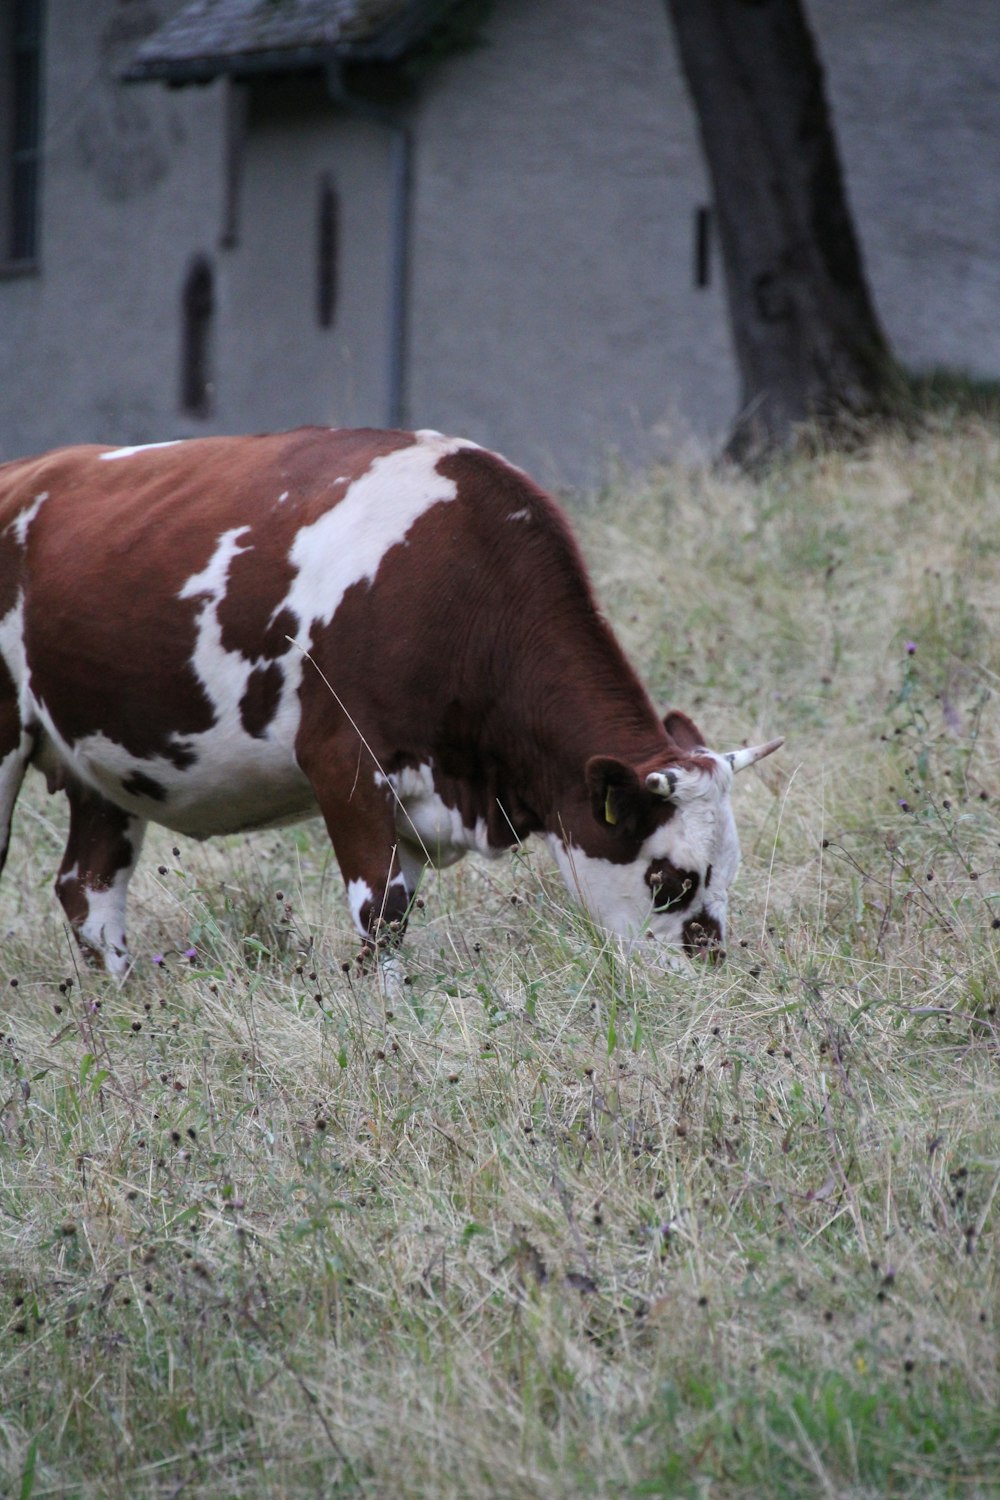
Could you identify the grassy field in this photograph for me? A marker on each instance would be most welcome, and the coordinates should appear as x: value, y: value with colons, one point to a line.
x: 550, y: 1227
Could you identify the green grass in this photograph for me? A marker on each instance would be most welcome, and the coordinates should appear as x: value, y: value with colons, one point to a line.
x: 551, y: 1226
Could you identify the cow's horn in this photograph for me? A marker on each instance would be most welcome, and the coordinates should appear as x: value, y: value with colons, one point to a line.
x: 740, y: 759
x: 662, y: 783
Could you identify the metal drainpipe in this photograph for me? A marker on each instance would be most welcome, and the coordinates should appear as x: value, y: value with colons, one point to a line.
x: 401, y: 177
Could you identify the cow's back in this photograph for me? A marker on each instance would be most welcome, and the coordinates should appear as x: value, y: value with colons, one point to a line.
x: 169, y: 597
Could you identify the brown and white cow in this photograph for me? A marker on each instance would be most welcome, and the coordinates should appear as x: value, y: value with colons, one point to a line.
x: 393, y: 629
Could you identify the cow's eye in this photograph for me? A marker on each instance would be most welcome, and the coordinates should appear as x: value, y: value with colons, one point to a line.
x: 673, y: 889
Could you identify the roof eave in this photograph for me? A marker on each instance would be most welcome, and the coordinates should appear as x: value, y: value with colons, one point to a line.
x: 386, y: 47
x: 205, y: 69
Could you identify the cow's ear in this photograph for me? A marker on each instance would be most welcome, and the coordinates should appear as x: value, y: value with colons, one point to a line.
x: 684, y: 732
x: 615, y: 794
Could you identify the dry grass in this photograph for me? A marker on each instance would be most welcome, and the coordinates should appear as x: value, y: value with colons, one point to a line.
x: 551, y: 1228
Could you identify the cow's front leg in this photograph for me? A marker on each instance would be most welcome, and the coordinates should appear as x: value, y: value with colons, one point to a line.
x: 359, y: 808
x: 92, y: 884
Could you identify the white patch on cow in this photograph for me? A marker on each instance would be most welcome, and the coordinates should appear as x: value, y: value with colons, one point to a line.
x: 223, y: 673
x: 520, y: 515
x: 346, y: 545
x: 211, y: 581
x: 358, y: 892
x: 103, y: 928
x: 12, y: 645
x: 236, y: 784
x: 283, y: 496
x: 140, y: 448
x: 701, y: 834
x: 615, y: 895
x: 21, y: 523
x: 425, y: 822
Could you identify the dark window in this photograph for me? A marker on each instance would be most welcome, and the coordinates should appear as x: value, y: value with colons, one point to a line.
x: 197, y: 313
x: 327, y: 253
x: 702, y: 246
x: 20, y: 129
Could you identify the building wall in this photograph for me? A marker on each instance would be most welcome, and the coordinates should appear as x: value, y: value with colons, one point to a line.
x: 131, y: 184
x: 279, y: 367
x: 914, y: 87
x: 557, y: 172
x: 554, y: 311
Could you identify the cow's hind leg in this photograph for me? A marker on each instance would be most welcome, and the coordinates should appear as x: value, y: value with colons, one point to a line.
x: 15, y: 752
x: 101, y: 853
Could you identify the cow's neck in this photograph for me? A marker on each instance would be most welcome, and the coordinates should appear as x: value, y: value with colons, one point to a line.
x: 544, y: 724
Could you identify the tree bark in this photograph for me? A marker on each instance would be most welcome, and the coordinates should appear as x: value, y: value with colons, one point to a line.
x: 806, y: 334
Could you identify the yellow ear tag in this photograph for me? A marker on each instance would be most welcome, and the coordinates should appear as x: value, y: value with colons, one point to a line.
x: 610, y: 815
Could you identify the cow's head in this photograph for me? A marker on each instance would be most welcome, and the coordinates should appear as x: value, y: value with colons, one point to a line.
x: 659, y: 850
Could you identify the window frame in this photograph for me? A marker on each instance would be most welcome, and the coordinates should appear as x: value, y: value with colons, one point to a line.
x: 21, y: 135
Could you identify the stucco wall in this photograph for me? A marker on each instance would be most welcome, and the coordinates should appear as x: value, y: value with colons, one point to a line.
x: 914, y: 87
x: 557, y: 172
x: 554, y: 311
x: 130, y: 190
x: 278, y: 367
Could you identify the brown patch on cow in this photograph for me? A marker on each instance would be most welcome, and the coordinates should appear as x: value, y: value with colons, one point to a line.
x: 108, y: 638
x: 702, y: 937
x: 181, y: 755
x: 138, y: 784
x: 279, y: 634
x: 10, y: 717
x: 21, y: 482
x: 252, y: 624
x: 10, y: 569
x: 10, y: 743
x: 673, y: 889
x: 259, y: 703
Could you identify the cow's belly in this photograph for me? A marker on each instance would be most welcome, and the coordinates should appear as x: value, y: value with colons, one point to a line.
x: 233, y: 784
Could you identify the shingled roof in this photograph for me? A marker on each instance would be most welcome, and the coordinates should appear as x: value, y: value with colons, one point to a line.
x: 211, y: 37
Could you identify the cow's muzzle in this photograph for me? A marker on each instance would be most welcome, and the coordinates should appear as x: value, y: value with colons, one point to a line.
x: 702, y: 939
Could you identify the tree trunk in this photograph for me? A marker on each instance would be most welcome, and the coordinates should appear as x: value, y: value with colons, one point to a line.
x: 806, y: 334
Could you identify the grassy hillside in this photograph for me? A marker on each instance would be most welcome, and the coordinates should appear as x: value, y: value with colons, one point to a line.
x: 552, y: 1228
